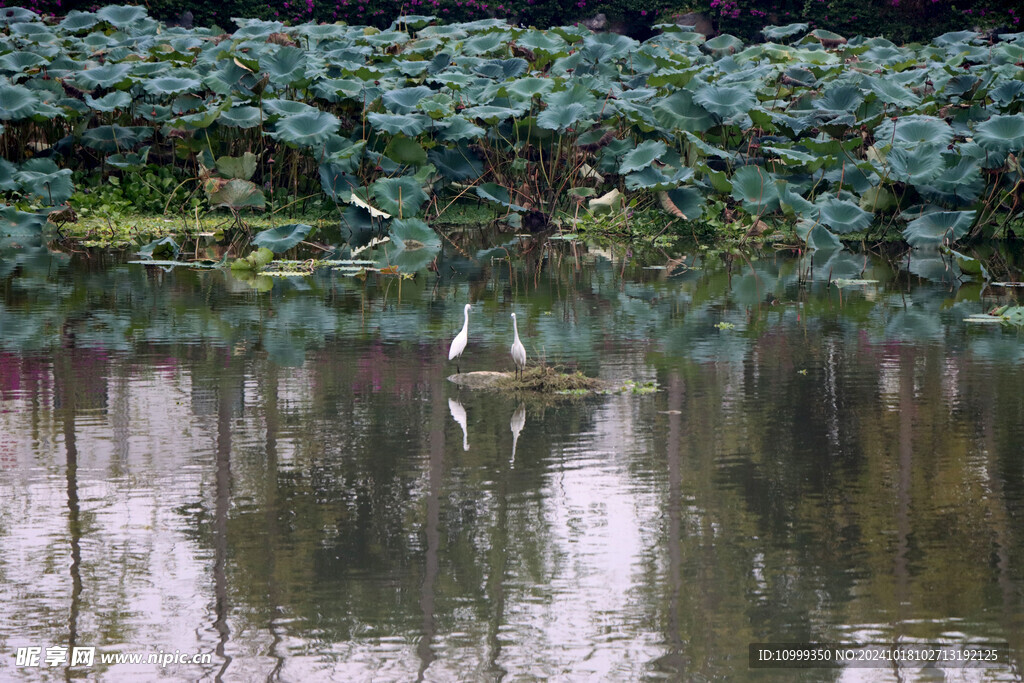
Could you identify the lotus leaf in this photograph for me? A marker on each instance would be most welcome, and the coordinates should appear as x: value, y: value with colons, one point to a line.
x: 934, y: 228
x: 17, y: 62
x: 755, y: 187
x: 242, y: 167
x: 643, y: 156
x: 402, y: 197
x: 282, y: 238
x: 121, y: 16
x: 234, y: 194
x: 561, y: 118
x: 409, y: 124
x: 287, y: 107
x: 502, y: 69
x: 16, y: 102
x: 918, y: 166
x: 725, y: 101
x: 129, y: 161
x: 106, y: 76
x: 779, y: 32
x: 842, y: 216
x: 20, y: 224
x: 115, y: 138
x: 678, y: 111
x: 15, y: 15
x: 240, y: 117
x: 404, y: 100
x: 1001, y: 134
x: 110, y: 102
x: 458, y: 163
x: 686, y: 202
x: 493, y: 192
x: 306, y: 129
x: 724, y: 44
x: 403, y: 150
x: 413, y: 233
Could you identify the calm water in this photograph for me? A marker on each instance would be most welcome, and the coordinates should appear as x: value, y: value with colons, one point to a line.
x: 285, y: 480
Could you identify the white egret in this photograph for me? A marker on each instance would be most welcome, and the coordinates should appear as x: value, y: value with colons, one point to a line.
x: 518, y: 350
x: 460, y: 341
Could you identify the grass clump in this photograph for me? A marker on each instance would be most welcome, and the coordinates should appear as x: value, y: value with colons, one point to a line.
x: 546, y: 379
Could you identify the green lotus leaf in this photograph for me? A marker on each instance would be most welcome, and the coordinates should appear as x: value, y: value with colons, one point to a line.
x: 16, y: 102
x: 723, y: 45
x: 755, y: 187
x: 171, y: 85
x: 579, y: 93
x: 493, y: 192
x: 242, y: 167
x: 240, y: 117
x: 601, y: 48
x: 482, y: 44
x: 17, y: 62
x: 403, y: 150
x: 53, y: 188
x: 279, y: 107
x: 113, y: 101
x: 892, y: 92
x: 235, y: 194
x: 20, y: 224
x: 918, y: 165
x: 840, y: 98
x: 643, y: 156
x: 780, y: 32
x: 911, y: 130
x: 413, y: 233
x: 494, y: 115
x: 686, y: 200
x: 16, y: 15
x: 963, y: 85
x: 160, y: 247
x: 306, y: 129
x: 561, y: 118
x: 678, y: 111
x: 129, y: 161
x: 955, y: 38
x: 286, y: 65
x: 843, y: 216
x: 282, y: 238
x: 726, y: 101
x: 457, y: 163
x: 1001, y: 134
x: 649, y: 178
x: 106, y: 76
x: 502, y: 69
x: 791, y: 201
x: 528, y: 88
x: 409, y: 124
x: 404, y: 100
x: 402, y: 197
x: 878, y: 198
x: 1007, y: 93
x: 121, y: 16
x: 934, y: 228
x: 115, y: 138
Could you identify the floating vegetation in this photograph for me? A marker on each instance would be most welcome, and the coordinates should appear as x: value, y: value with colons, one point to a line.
x: 835, y: 137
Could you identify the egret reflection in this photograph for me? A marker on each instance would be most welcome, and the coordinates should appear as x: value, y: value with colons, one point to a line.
x: 459, y: 415
x: 516, y: 425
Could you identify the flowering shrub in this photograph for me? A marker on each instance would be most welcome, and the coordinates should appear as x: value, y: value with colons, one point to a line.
x: 898, y: 20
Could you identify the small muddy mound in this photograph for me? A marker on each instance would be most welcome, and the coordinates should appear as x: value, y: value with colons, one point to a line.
x: 545, y: 380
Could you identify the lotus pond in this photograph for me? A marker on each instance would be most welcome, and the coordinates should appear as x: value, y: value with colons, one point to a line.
x: 821, y: 447
x: 812, y: 132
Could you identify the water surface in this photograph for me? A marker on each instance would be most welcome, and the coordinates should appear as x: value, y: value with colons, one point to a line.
x: 286, y: 479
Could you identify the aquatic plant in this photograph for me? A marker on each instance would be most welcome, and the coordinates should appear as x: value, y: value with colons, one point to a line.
x: 834, y: 135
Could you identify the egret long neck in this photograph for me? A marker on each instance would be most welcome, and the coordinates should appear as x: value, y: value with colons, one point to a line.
x: 515, y: 328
